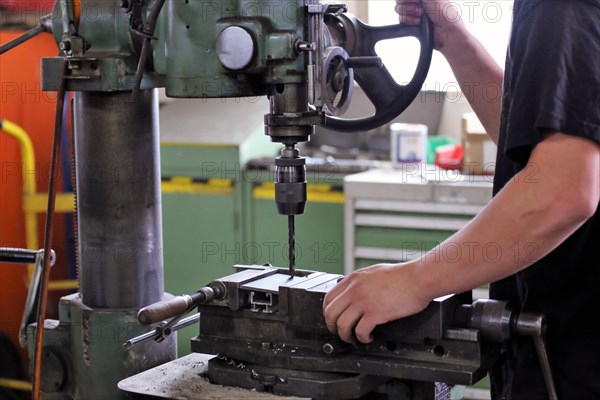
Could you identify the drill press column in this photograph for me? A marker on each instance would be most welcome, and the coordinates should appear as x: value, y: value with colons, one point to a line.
x: 120, y: 250
x: 118, y: 199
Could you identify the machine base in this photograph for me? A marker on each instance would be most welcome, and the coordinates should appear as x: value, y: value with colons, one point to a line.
x: 184, y: 379
x: 83, y: 357
x: 322, y: 385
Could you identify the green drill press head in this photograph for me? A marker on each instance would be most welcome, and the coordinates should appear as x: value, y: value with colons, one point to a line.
x: 304, y: 54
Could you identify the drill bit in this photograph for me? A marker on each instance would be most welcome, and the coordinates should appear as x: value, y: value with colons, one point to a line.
x: 292, y: 245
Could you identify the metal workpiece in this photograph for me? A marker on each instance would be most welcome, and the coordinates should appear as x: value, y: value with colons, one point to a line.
x: 118, y: 199
x: 272, y: 320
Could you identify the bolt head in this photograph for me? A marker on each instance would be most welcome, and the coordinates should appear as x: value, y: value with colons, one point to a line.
x: 328, y: 348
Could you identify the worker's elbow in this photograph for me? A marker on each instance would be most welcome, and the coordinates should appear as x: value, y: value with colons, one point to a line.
x: 576, y: 209
x: 589, y: 207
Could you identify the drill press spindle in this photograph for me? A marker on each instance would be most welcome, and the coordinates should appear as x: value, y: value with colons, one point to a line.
x: 290, y: 193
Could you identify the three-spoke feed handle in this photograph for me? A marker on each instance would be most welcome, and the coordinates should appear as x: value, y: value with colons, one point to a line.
x: 388, y: 97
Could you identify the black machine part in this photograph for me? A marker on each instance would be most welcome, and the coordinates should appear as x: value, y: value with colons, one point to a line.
x: 497, y: 322
x: 290, y: 193
x: 388, y: 97
x: 26, y: 256
x: 290, y: 182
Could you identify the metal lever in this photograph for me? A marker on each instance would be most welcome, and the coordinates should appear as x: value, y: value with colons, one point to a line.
x: 497, y: 323
x: 160, y: 332
x: 364, y: 62
x: 176, y: 306
x: 26, y: 256
x: 45, y: 25
x: 22, y: 256
x: 534, y: 325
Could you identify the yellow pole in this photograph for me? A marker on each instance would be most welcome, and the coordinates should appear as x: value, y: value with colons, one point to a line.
x: 29, y: 189
x: 34, y: 202
x: 15, y: 384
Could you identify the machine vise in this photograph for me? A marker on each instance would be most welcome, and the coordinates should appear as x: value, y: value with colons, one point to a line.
x: 268, y: 332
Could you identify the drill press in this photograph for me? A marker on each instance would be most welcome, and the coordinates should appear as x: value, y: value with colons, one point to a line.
x: 303, y: 54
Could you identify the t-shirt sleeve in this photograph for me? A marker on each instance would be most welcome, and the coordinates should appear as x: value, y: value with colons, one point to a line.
x: 555, y: 75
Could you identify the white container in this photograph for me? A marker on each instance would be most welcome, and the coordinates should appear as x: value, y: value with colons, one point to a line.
x: 408, y: 143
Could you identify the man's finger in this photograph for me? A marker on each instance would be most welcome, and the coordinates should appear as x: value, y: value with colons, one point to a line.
x: 409, y: 20
x: 363, y: 330
x: 346, y: 323
x: 333, y: 293
x: 334, y: 309
x: 412, y: 9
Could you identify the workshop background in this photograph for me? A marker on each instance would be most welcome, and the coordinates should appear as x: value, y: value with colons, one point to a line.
x: 217, y: 172
x: 24, y: 174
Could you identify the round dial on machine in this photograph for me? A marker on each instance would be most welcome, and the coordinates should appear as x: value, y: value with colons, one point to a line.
x: 338, y: 82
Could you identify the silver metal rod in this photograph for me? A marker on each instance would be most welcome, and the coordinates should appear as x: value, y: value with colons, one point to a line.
x: 540, y: 346
x: 534, y: 325
x: 157, y: 332
x: 33, y: 32
x: 22, y: 256
x: 118, y: 199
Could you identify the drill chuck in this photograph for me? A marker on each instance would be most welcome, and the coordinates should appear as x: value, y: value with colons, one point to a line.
x: 290, y: 184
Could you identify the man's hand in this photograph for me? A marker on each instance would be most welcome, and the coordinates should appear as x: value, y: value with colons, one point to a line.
x: 469, y: 60
x: 443, y: 13
x: 370, y: 297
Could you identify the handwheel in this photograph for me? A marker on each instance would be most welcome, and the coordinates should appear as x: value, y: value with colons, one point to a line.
x: 388, y: 97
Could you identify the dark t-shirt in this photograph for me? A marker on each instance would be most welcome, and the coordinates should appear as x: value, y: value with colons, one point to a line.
x: 552, y: 83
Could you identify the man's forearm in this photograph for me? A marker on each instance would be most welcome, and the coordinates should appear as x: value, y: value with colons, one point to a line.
x: 478, y: 75
x: 535, y: 212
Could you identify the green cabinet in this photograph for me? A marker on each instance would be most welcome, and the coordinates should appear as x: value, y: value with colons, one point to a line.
x: 204, y: 145
x: 395, y: 215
